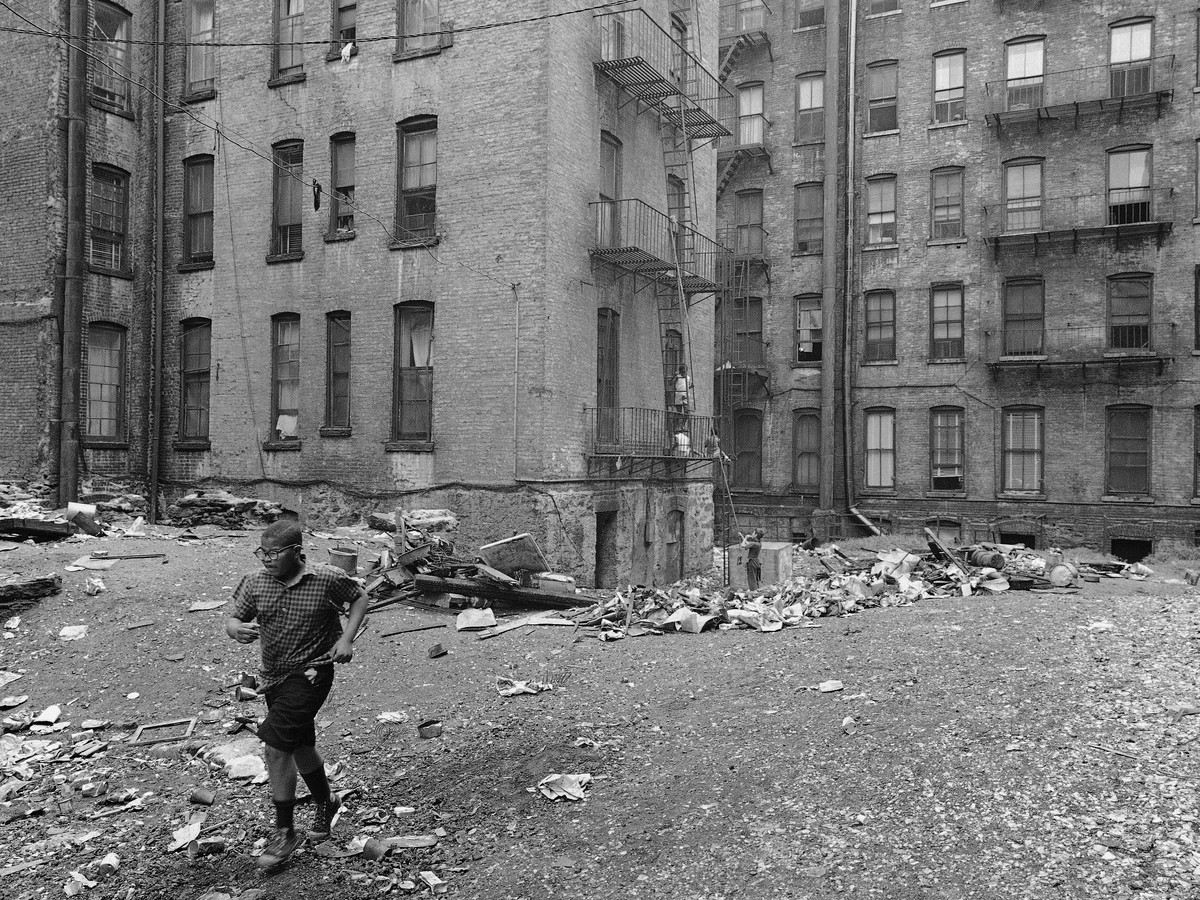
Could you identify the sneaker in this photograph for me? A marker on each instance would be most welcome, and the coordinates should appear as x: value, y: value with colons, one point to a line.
x: 281, y: 845
x: 323, y: 815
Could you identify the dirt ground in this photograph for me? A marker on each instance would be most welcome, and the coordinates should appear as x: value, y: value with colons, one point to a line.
x: 1006, y: 746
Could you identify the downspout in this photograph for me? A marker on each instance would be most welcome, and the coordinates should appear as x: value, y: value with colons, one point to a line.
x: 829, y: 306
x: 516, y: 374
x: 159, y: 256
x: 851, y: 257
x: 73, y: 277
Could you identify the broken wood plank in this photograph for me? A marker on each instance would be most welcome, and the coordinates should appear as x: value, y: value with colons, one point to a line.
x: 413, y: 628
x: 31, y: 589
x: 517, y: 595
x: 535, y: 619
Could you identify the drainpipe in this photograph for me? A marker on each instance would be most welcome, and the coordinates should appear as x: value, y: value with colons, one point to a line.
x: 159, y: 256
x: 516, y: 375
x: 851, y: 257
x: 829, y: 279
x: 74, y: 274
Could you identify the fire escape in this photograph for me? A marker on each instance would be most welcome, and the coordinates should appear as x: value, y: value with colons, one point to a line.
x: 660, y: 250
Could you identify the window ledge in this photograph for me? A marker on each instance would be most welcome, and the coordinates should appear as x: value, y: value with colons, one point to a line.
x: 946, y: 495
x: 881, y: 362
x: 883, y: 15
x: 891, y: 246
x: 198, y: 266
x: 335, y: 55
x: 109, y: 108
x: 934, y: 4
x: 92, y: 443
x: 408, y: 446
x: 283, y: 80
x: 946, y: 242
x: 431, y: 241
x: 1196, y: 219
x: 273, y: 258
x: 806, y: 364
x: 1195, y: 501
x: 878, y: 492
x: 402, y: 55
x: 947, y: 360
x: 200, y: 96
x: 191, y: 446
x: 1196, y: 353
x: 810, y: 253
x: 281, y: 446
x: 812, y: 143
x: 1021, y: 495
x: 126, y: 274
x: 1122, y: 498
x: 806, y: 28
x: 888, y: 133
x: 334, y: 237
x: 334, y: 431
x: 1025, y: 357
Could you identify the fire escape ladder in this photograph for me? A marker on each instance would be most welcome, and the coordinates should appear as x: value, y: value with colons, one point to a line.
x: 728, y: 171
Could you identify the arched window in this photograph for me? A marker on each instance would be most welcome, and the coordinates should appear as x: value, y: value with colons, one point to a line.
x: 1130, y: 66
x: 337, y: 369
x: 1025, y: 65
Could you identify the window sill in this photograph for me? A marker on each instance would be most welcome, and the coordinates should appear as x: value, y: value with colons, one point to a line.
x: 934, y: 4
x: 1026, y: 357
x: 807, y: 28
x: 1021, y: 495
x: 273, y: 258
x: 817, y: 254
x: 200, y: 96
x: 109, y: 108
x: 408, y: 446
x: 946, y: 242
x: 198, y: 266
x: 91, y: 443
x: 335, y: 431
x: 947, y: 361
x: 191, y: 446
x: 125, y: 274
x: 336, y: 55
x: 1130, y: 499
x: 884, y: 15
x: 431, y: 241
x: 869, y: 247
x: 958, y: 123
x: 1196, y: 219
x: 888, y: 133
x: 806, y: 364
x: 334, y: 237
x: 281, y: 446
x: 878, y: 492
x: 946, y: 495
x: 402, y: 55
x: 813, y: 143
x: 1195, y: 501
x: 284, y: 80
x: 881, y: 362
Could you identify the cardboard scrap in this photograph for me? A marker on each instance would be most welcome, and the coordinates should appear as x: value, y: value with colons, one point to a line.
x: 564, y: 787
x: 507, y: 687
x: 475, y: 620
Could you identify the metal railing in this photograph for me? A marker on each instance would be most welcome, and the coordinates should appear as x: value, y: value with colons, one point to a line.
x: 1115, y: 207
x: 648, y: 433
x: 1093, y: 83
x: 745, y: 241
x: 745, y: 131
x: 742, y: 16
x: 1029, y: 341
x: 637, y: 237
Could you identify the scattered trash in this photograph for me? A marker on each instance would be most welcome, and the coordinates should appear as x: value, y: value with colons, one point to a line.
x: 160, y: 732
x: 90, y: 562
x: 430, y: 728
x: 1101, y: 626
x: 72, y: 632
x: 507, y: 687
x: 375, y: 849
x: 849, y: 726
x: 827, y: 687
x: 77, y: 884
x: 202, y: 605
x: 436, y: 650
x: 564, y: 787
x: 202, y: 796
x: 15, y: 589
x: 205, y: 847
x: 433, y: 882
x: 475, y: 619
x: 396, y: 718
x: 94, y: 586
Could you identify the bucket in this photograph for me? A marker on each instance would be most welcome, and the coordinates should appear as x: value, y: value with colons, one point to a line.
x: 345, y: 559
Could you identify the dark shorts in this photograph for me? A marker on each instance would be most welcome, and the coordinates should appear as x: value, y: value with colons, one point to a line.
x: 292, y: 709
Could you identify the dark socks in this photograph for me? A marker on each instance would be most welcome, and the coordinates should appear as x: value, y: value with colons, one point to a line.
x: 318, y: 784
x: 283, y: 815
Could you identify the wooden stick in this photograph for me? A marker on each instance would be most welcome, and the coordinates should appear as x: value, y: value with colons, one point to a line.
x: 414, y: 628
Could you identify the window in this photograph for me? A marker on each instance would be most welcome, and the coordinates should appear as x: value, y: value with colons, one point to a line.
x: 419, y: 26
x: 881, y: 209
x: 881, y: 97
x: 1196, y: 453
x: 341, y: 176
x: 337, y: 370
x: 612, y: 35
x: 1025, y: 61
x: 1129, y: 66
x: 285, y: 377
x: 1023, y: 196
x: 875, y: 7
x: 808, y: 328
x: 810, y: 13
x: 1129, y: 307
x: 412, y: 417
x: 345, y: 23
x: 751, y: 122
x: 881, y: 326
x: 810, y: 218
x: 1127, y: 448
x: 810, y: 109
x: 946, y: 322
x: 679, y: 54
x: 195, y: 364
x: 608, y: 221
x: 947, y: 203
x: 677, y: 200
x: 946, y: 448
x: 289, y: 38
x: 608, y: 383
x: 806, y: 439
x: 748, y: 331
x: 1023, y: 317
x: 881, y: 448
x: 109, y: 220
x: 111, y: 32
x: 672, y: 357
x: 105, y: 382
x: 1129, y: 187
x: 417, y: 204
x: 749, y: 214
x: 1196, y: 307
x: 288, y: 231
x: 747, y: 448
x: 949, y: 87
x: 201, y: 55
x: 1022, y: 449
x: 198, y: 209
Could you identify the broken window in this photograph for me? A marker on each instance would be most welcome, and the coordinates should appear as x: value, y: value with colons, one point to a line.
x: 201, y: 54
x: 416, y: 206
x: 881, y: 448
x: 288, y: 230
x: 109, y: 233
x: 412, y: 416
x: 285, y: 377
x: 808, y: 328
x: 289, y: 38
x: 198, y: 208
x: 195, y: 362
x: 105, y: 382
x: 1128, y: 449
x: 111, y: 32
x: 341, y: 206
x: 1022, y: 449
x: 337, y: 370
x: 946, y: 448
x: 806, y: 439
x: 810, y: 13
x: 881, y: 326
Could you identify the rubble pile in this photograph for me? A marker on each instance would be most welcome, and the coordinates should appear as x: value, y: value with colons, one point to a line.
x: 217, y: 507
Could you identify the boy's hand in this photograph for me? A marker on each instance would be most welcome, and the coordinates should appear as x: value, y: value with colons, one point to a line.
x: 245, y: 632
x: 343, y: 650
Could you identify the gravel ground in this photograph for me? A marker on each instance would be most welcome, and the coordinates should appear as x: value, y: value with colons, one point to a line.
x: 1007, y: 746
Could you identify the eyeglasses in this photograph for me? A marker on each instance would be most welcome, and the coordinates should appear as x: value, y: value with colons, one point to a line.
x: 271, y: 555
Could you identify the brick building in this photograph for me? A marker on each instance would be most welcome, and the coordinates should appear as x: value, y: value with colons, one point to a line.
x: 1014, y: 322
x: 416, y: 255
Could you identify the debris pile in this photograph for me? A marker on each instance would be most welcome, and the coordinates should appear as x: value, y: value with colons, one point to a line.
x: 218, y: 507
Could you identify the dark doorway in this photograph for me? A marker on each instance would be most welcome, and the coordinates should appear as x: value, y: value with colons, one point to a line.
x: 606, y: 549
x: 673, y: 547
x: 1130, y: 550
x: 1029, y: 540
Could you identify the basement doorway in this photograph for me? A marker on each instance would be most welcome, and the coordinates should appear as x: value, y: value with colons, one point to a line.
x: 1011, y: 537
x: 1130, y: 550
x: 606, y: 549
x: 673, y: 547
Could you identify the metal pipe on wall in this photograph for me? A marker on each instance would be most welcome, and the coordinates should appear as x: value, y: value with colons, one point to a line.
x: 156, y: 326
x: 851, y: 256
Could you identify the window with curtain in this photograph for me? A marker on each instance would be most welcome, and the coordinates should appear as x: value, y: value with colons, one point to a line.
x: 949, y: 87
x: 881, y: 209
x: 1025, y: 63
x: 105, y: 382
x: 201, y: 54
x: 810, y: 108
x: 112, y: 29
x: 337, y: 369
x: 881, y: 326
x: 1127, y: 448
x: 198, y: 209
x: 810, y: 218
x: 412, y: 413
x: 946, y: 448
x: 880, y: 462
x: 341, y: 176
x: 808, y: 328
x: 1129, y: 64
x: 288, y: 172
x: 289, y: 38
x: 195, y: 365
x: 806, y: 439
x: 420, y: 25
x: 1022, y: 449
x: 285, y: 377
x: 751, y: 124
x: 1129, y: 197
x: 416, y: 207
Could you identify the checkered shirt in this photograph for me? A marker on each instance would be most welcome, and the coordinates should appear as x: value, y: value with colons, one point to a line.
x: 297, y: 624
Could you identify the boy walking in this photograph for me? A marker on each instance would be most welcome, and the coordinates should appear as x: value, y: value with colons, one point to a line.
x: 295, y: 611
